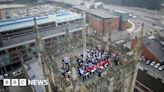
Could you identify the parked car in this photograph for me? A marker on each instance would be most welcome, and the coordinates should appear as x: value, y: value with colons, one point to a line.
x: 157, y: 65
x: 148, y: 62
x: 17, y: 73
x: 152, y: 63
x: 161, y: 68
x: 6, y: 75
x: 143, y: 60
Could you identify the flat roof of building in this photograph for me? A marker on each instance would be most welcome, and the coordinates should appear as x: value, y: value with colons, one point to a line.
x: 35, y: 72
x: 9, y: 6
x: 95, y: 12
x: 58, y: 17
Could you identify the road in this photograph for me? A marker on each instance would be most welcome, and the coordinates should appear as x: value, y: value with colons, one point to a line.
x: 148, y: 16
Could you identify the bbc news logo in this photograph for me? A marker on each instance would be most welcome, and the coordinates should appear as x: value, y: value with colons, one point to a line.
x: 23, y: 82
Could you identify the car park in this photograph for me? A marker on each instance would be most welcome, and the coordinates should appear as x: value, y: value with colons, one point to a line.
x: 152, y: 63
x: 161, y: 68
x: 148, y: 62
x: 157, y: 65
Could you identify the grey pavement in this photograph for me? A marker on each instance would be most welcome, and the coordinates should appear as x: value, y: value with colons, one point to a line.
x: 20, y: 89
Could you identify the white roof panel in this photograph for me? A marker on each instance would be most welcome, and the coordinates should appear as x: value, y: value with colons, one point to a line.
x: 60, y: 16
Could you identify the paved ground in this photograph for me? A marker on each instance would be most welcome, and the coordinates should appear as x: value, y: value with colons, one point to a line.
x: 20, y: 89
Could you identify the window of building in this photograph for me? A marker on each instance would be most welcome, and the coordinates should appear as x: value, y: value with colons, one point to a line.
x: 48, y: 40
x: 32, y: 44
x: 2, y: 52
x: 61, y: 36
x: 54, y: 38
x: 20, y: 47
x: 12, y: 49
x: 47, y: 25
x: 60, y: 24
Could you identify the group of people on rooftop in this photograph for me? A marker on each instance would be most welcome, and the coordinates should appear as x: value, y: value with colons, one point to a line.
x: 91, y: 62
x: 96, y: 61
x: 66, y: 68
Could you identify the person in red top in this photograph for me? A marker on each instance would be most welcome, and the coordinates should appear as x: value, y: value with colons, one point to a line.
x: 100, y: 65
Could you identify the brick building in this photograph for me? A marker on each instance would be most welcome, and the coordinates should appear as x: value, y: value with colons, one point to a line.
x: 152, y: 49
x: 101, y: 21
x: 123, y: 19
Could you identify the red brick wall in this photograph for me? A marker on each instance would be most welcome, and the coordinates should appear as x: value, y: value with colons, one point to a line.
x: 97, y: 23
x: 146, y: 52
x: 105, y: 25
x: 123, y: 25
x: 149, y: 55
x: 133, y: 44
x: 111, y: 24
